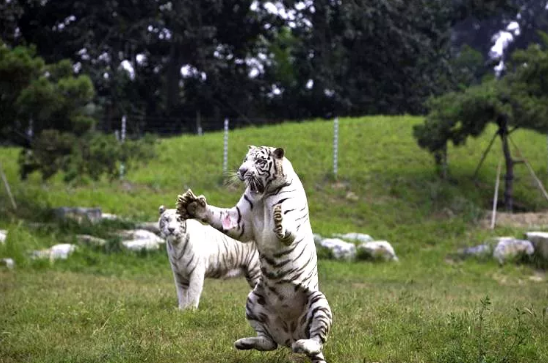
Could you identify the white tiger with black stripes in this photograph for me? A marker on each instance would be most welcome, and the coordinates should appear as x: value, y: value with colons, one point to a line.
x: 197, y: 251
x: 286, y: 306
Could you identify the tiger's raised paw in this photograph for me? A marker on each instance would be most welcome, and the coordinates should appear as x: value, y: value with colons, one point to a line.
x: 191, y: 206
x: 283, y: 236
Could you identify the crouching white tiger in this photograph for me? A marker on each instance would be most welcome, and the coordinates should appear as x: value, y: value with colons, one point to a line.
x: 285, y: 307
x: 197, y: 251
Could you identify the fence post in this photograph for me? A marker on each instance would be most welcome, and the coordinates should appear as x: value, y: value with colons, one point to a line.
x: 335, y: 146
x: 199, y: 123
x: 122, y: 138
x: 7, y: 186
x: 225, y: 148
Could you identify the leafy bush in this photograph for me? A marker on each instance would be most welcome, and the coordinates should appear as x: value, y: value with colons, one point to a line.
x: 54, y: 107
x: 94, y: 155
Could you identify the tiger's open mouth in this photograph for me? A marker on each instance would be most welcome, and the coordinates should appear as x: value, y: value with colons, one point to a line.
x: 255, y: 185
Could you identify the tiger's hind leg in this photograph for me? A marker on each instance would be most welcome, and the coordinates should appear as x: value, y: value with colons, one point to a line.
x: 317, y: 324
x: 257, y: 316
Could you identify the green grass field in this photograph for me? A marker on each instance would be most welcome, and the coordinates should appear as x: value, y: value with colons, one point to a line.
x: 114, y: 306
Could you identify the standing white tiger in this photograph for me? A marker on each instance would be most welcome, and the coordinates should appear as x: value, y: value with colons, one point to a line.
x: 197, y: 251
x: 285, y: 307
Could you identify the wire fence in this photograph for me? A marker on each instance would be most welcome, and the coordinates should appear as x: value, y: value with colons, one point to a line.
x: 137, y: 126
x: 134, y: 127
x: 212, y: 125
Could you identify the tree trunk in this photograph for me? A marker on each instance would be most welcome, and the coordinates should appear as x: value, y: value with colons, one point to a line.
x: 173, y: 77
x: 440, y: 158
x: 509, y: 177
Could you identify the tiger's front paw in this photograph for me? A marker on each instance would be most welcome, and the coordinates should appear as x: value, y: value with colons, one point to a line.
x: 279, y: 229
x: 191, y: 206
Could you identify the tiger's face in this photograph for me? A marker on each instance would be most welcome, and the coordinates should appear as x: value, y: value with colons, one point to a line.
x: 170, y: 224
x: 261, y: 169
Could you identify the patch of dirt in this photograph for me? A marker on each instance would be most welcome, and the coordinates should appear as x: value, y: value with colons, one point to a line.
x: 518, y: 220
x: 127, y: 186
x: 538, y: 276
x: 338, y: 185
x: 352, y: 196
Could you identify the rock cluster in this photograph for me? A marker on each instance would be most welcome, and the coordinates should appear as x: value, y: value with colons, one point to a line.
x: 352, y: 246
x: 144, y: 237
x: 504, y: 249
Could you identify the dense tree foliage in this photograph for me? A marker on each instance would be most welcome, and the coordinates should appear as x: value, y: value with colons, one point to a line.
x: 517, y: 101
x: 251, y: 59
x: 49, y: 111
x: 381, y: 56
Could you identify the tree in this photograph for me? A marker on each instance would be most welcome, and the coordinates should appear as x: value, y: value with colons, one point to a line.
x: 530, y: 16
x: 47, y: 110
x: 370, y: 57
x: 468, y: 67
x: 517, y: 101
x: 312, y: 59
x: 214, y: 39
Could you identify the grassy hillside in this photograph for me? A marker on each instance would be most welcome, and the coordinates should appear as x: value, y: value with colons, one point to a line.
x: 120, y: 307
x: 386, y: 183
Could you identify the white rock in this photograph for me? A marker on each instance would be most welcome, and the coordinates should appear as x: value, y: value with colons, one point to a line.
x: 109, y: 216
x: 150, y: 226
x: 353, y: 236
x: 8, y: 262
x: 141, y: 244
x: 379, y: 250
x: 480, y: 250
x: 3, y: 235
x: 61, y: 251
x: 339, y: 248
x: 90, y: 240
x: 57, y: 252
x: 508, y: 248
x: 136, y: 234
x: 78, y: 214
x: 41, y: 254
x: 540, y: 242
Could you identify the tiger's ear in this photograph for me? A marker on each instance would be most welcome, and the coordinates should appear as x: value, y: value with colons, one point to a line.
x: 278, y: 152
x: 251, y: 147
x: 162, y: 209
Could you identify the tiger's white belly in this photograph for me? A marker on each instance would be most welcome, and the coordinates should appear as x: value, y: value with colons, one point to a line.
x: 263, y: 227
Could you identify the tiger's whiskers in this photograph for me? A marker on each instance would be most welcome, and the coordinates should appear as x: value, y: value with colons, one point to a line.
x: 230, y: 179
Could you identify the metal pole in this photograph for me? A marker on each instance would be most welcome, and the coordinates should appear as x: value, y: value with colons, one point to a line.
x: 199, y: 123
x: 495, y: 197
x: 335, y: 146
x: 122, y: 138
x: 6, y: 184
x: 225, y: 149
